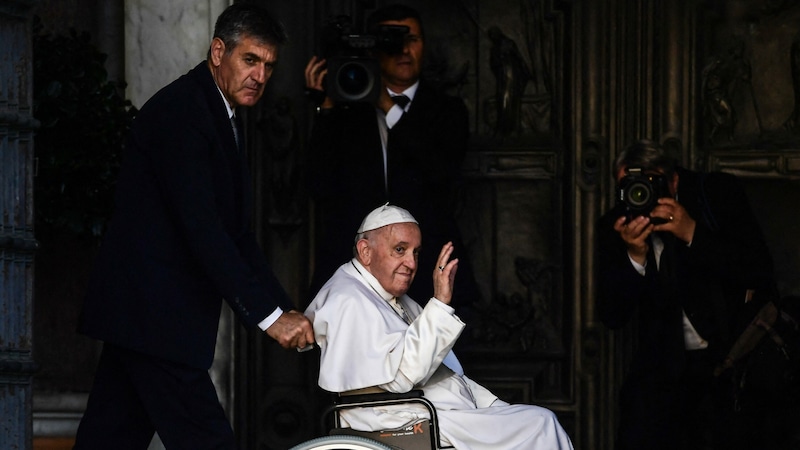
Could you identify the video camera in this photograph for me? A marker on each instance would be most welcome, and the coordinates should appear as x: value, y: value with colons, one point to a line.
x: 353, y: 72
x: 638, y: 193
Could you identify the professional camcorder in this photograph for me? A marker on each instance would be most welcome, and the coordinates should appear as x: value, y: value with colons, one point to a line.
x: 638, y: 193
x: 353, y: 72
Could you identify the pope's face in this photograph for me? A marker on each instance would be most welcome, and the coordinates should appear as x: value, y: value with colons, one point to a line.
x: 242, y: 73
x: 403, y: 69
x: 393, y: 256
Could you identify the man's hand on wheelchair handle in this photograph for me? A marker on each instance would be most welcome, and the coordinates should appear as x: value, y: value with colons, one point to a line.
x: 292, y: 330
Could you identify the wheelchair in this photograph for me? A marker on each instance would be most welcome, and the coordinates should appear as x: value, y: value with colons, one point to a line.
x: 421, y: 435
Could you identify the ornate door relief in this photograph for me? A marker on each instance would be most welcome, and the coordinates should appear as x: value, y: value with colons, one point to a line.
x: 749, y: 111
x: 520, y: 340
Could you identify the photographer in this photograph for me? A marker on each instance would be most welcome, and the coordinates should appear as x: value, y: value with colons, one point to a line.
x: 693, y: 270
x: 364, y: 154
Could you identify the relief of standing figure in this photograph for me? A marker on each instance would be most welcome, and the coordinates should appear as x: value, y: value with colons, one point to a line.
x: 512, y: 75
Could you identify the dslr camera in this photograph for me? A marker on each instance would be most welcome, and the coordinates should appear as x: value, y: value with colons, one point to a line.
x: 353, y: 72
x: 638, y: 193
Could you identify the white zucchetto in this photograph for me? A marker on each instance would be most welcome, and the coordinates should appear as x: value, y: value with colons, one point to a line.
x: 385, y: 215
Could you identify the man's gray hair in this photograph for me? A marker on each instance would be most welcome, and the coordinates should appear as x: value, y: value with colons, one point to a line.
x: 248, y: 20
x: 647, y: 155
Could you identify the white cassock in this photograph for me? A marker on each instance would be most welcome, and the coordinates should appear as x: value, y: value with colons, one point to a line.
x: 365, y: 342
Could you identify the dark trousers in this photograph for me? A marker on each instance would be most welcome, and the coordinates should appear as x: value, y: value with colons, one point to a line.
x: 135, y: 395
x: 691, y: 412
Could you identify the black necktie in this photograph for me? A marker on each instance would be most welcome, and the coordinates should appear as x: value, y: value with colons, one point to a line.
x: 401, y: 100
x: 237, y: 133
x: 666, y: 266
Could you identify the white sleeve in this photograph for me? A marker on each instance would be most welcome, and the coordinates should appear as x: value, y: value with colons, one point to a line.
x: 270, y: 319
x: 428, y: 340
x: 639, y: 267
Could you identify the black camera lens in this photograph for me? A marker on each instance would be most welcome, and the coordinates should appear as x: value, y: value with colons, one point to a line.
x: 354, y: 79
x: 638, y: 194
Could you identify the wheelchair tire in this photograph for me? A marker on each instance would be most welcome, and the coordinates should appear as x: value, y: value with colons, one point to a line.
x: 341, y: 443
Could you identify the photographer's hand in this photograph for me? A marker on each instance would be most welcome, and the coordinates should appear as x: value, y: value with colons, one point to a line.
x: 315, y: 75
x: 679, y: 222
x: 635, y: 233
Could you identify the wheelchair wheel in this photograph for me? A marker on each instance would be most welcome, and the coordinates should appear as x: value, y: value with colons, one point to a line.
x: 341, y: 443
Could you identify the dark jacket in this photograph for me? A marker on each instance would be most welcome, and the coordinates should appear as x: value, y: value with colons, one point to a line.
x: 179, y: 240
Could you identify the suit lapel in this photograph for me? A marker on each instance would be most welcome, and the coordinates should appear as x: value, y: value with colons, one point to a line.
x: 239, y: 172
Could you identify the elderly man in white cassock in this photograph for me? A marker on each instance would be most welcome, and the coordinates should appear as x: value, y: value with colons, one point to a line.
x: 371, y: 334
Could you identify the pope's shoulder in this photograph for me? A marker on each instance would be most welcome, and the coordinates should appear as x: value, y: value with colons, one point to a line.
x: 343, y: 289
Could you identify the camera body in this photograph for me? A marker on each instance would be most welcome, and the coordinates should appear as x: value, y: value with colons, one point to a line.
x: 638, y: 193
x: 354, y: 74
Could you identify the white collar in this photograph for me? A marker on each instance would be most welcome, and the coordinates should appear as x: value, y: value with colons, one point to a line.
x: 231, y: 111
x: 410, y: 92
x: 371, y: 280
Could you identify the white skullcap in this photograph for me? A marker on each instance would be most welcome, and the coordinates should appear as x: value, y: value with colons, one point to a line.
x: 385, y: 215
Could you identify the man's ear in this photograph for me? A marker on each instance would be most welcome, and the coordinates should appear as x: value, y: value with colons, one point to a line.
x: 217, y: 50
x: 364, y: 251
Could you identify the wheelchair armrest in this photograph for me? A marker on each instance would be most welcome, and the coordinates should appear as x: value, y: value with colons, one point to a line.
x: 342, y: 402
x: 376, y: 397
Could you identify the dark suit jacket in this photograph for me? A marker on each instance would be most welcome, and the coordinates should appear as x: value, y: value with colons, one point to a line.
x: 180, y: 239
x: 728, y: 256
x: 426, y: 149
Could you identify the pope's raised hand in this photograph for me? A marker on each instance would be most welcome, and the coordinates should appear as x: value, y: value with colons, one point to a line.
x: 444, y: 274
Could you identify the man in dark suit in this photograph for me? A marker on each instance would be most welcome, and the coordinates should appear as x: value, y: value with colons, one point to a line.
x: 178, y: 244
x: 692, y: 272
x: 410, y: 153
